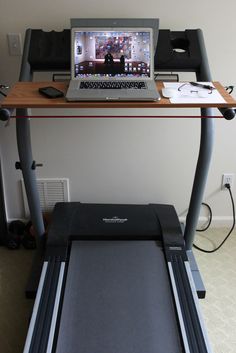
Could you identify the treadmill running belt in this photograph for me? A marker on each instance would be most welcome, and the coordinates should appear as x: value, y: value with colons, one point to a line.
x: 118, y: 300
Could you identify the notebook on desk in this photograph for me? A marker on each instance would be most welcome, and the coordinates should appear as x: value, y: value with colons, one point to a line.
x: 112, y: 64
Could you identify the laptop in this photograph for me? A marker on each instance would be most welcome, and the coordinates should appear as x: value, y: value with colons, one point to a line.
x: 112, y: 64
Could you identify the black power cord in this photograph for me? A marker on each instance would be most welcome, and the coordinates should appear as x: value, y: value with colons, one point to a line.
x: 3, y: 94
x: 210, y: 218
x: 229, y: 89
x: 3, y: 87
x: 231, y: 229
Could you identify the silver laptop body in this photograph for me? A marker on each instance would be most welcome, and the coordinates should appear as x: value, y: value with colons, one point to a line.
x: 112, y: 64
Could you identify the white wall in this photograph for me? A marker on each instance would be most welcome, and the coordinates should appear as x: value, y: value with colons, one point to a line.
x: 124, y: 160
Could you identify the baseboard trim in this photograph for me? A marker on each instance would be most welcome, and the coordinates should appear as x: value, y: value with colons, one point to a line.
x: 217, y: 221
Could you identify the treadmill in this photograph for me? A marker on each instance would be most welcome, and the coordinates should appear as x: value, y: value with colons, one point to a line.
x: 116, y: 278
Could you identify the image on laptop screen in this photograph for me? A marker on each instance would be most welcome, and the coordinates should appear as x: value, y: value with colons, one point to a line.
x: 112, y: 53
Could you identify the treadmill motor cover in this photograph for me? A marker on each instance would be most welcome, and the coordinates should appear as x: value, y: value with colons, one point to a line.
x: 103, y: 221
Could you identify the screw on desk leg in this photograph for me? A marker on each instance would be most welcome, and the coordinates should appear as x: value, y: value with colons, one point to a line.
x: 34, y: 165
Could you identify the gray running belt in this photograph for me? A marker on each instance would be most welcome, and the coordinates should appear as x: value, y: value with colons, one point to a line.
x: 118, y: 300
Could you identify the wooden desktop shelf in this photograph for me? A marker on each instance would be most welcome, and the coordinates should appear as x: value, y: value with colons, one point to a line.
x: 26, y: 95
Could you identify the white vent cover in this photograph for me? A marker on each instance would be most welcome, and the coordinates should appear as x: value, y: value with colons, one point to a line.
x: 50, y: 191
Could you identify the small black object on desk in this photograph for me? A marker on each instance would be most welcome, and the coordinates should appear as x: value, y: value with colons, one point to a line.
x: 200, y: 85
x: 51, y: 92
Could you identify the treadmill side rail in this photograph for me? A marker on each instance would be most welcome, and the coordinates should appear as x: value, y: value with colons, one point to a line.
x: 193, y: 332
x: 56, y: 309
x: 191, y: 325
x: 43, y: 321
x: 35, y: 309
x: 196, y: 300
x: 178, y: 309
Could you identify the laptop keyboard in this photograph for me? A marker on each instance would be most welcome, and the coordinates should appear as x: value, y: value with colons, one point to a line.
x: 113, y: 85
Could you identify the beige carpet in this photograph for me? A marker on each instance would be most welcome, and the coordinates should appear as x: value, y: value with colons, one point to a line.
x: 15, y: 309
x: 219, y: 307
x: 219, y: 275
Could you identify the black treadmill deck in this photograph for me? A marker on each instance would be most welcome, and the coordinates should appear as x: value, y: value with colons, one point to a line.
x: 118, y: 299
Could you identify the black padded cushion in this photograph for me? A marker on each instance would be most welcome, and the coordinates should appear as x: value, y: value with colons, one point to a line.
x: 49, y: 50
x: 168, y: 56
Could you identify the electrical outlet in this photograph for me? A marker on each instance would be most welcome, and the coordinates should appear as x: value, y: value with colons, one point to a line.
x: 14, y: 43
x: 227, y: 179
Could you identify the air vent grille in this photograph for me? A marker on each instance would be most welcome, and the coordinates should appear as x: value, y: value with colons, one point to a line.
x: 50, y: 191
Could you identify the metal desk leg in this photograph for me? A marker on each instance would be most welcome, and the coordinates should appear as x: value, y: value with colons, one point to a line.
x: 200, y: 179
x: 29, y: 176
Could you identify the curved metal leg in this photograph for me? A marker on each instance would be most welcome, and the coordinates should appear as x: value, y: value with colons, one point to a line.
x: 205, y: 153
x: 29, y: 176
x: 200, y: 179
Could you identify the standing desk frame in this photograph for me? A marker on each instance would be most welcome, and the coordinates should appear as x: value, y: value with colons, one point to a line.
x: 28, y: 165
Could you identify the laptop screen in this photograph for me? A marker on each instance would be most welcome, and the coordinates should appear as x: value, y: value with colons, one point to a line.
x: 119, y: 53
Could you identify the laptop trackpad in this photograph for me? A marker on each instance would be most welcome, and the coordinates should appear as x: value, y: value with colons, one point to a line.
x: 98, y: 94
x: 112, y: 98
